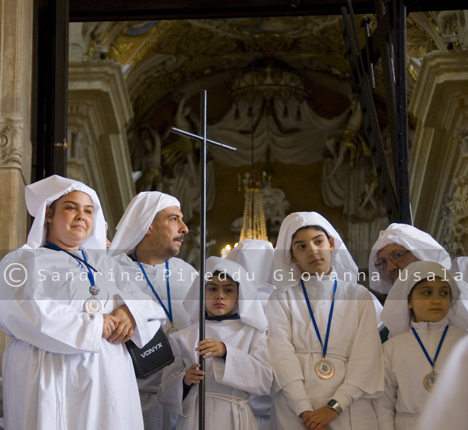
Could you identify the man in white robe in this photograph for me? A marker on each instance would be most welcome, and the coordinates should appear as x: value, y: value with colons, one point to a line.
x: 150, y: 233
x: 58, y: 369
x: 397, y: 247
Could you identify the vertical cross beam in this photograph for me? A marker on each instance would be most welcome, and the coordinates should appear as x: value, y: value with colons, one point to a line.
x: 201, y: 387
x: 203, y: 151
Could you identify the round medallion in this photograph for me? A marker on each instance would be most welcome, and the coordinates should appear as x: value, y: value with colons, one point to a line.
x: 94, y: 306
x: 324, y: 369
x: 94, y: 290
x: 430, y: 380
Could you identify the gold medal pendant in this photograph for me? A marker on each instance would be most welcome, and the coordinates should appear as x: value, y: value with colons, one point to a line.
x: 171, y: 330
x: 324, y: 369
x: 93, y: 305
x: 430, y: 380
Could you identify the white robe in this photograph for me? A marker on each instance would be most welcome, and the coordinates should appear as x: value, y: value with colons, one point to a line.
x: 229, y: 383
x: 446, y: 407
x: 354, y: 349
x: 180, y: 281
x: 58, y: 370
x: 406, y: 366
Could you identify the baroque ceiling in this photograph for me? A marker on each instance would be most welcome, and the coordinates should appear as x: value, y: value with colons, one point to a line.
x: 167, y: 63
x: 177, y: 59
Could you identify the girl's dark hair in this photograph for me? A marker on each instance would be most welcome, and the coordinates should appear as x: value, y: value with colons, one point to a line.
x: 425, y: 279
x: 312, y: 227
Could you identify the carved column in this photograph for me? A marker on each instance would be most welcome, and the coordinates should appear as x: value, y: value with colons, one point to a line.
x: 16, y: 27
x: 99, y: 108
x: 439, y: 104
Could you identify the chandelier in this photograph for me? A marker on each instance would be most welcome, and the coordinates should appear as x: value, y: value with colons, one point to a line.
x: 253, y: 226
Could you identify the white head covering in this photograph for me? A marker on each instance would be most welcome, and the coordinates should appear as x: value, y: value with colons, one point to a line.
x: 341, y: 260
x: 397, y: 316
x: 256, y: 257
x: 422, y: 245
x: 250, y: 308
x: 44, y: 192
x: 137, y: 219
x: 460, y: 267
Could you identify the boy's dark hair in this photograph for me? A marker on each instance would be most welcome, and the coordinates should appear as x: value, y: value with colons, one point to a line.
x: 312, y: 227
x: 225, y: 275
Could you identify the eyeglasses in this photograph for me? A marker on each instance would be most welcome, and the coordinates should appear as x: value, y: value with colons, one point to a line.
x: 395, y: 258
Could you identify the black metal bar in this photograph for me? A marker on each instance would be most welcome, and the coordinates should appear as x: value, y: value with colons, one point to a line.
x: 201, y: 387
x: 371, y: 123
x: 60, y: 102
x: 124, y: 10
x: 401, y: 114
x: 50, y: 88
x: 386, y: 49
x: 200, y: 138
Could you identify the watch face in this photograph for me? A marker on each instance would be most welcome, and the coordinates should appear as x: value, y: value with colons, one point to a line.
x: 331, y: 403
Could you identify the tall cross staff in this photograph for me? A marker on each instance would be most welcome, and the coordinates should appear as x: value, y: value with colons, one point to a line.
x: 204, y: 141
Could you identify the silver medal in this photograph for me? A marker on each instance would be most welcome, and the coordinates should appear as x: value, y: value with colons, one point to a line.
x: 324, y: 369
x: 93, y: 305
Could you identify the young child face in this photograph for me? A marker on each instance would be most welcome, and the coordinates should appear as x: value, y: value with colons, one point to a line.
x: 311, y: 250
x: 221, y: 296
x: 430, y: 300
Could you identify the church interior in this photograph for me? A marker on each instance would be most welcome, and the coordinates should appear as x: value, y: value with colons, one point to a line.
x: 279, y: 90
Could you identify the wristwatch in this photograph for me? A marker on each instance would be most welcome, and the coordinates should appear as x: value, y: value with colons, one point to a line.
x: 333, y: 404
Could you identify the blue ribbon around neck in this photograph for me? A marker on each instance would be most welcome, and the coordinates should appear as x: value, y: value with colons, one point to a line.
x: 80, y: 261
x: 166, y: 310
x: 330, y: 316
x: 438, y: 348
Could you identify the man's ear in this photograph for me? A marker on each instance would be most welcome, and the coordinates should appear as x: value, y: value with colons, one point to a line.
x: 150, y: 229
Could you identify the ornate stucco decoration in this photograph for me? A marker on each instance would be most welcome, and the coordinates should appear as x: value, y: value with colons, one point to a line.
x: 11, y: 135
x: 459, y: 218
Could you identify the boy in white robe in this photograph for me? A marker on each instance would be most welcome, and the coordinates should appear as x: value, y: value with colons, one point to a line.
x: 148, y: 238
x: 256, y: 257
x: 65, y: 365
x: 237, y: 364
x: 314, y: 388
x: 424, y: 316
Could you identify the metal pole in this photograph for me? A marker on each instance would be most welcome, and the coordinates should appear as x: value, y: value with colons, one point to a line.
x: 201, y: 387
x: 401, y: 114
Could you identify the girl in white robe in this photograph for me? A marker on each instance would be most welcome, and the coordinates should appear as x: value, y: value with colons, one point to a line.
x: 59, y: 371
x: 300, y: 395
x: 230, y: 381
x: 446, y: 407
x: 256, y: 257
x: 441, y: 323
